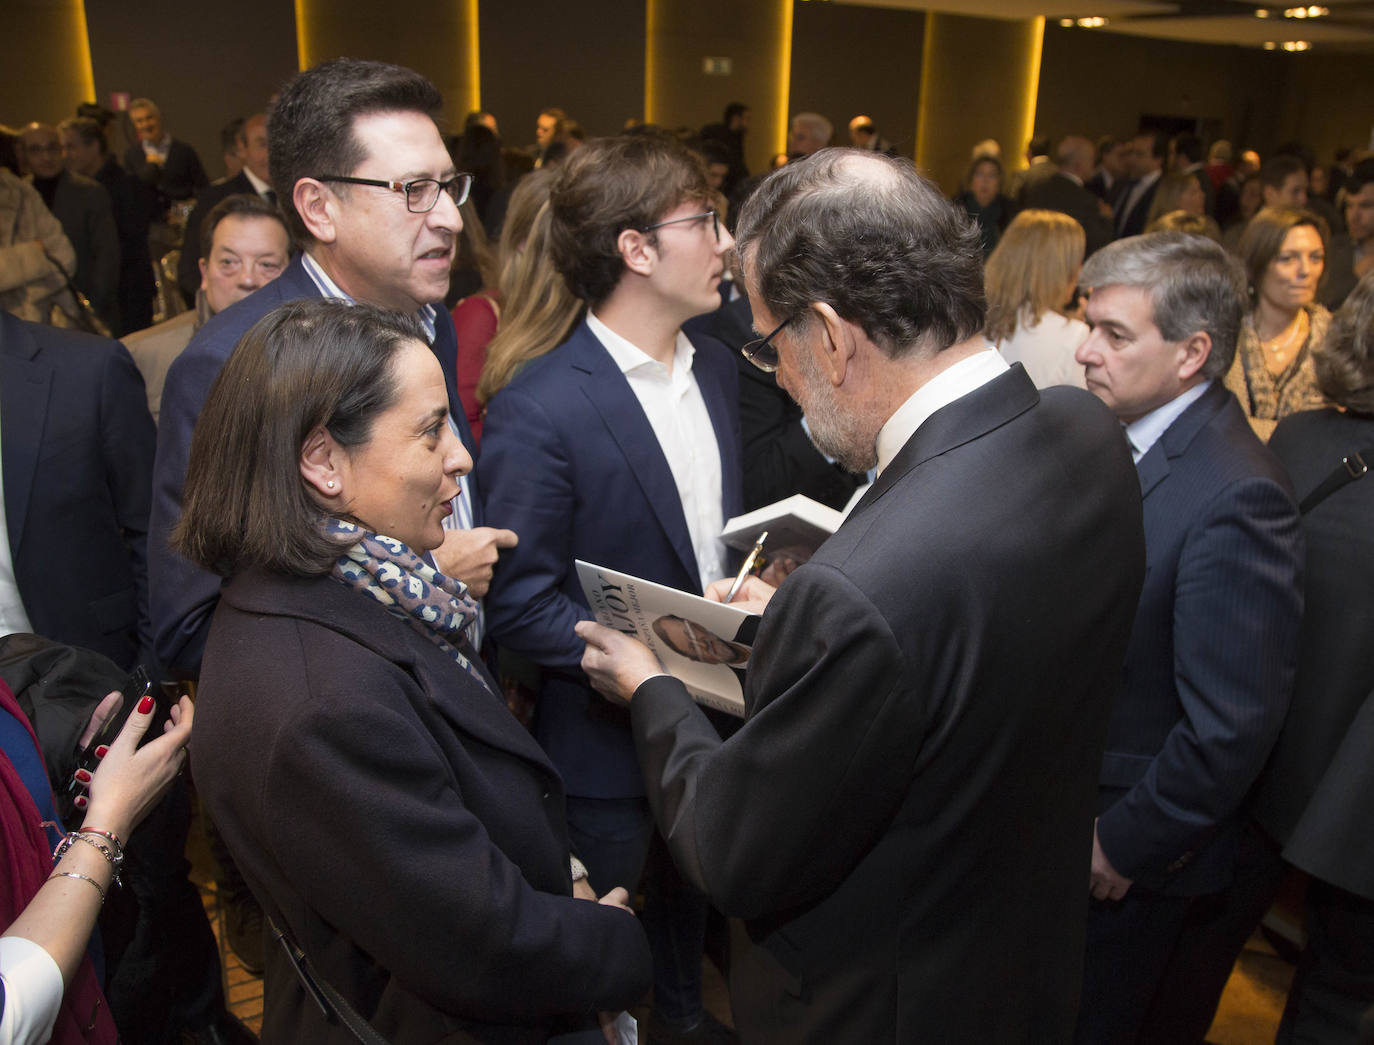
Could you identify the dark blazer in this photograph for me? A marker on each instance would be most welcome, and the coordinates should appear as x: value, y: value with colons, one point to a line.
x: 133, y: 203
x: 77, y: 445
x: 183, y: 596
x: 83, y: 207
x: 188, y: 267
x: 1209, y: 671
x: 572, y: 465
x: 913, y: 786
x: 1097, y: 185
x: 400, y: 823
x: 1135, y: 219
x: 1318, y: 788
x: 179, y: 177
x: 1060, y: 192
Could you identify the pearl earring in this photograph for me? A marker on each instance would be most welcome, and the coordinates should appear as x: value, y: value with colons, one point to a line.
x: 330, y: 484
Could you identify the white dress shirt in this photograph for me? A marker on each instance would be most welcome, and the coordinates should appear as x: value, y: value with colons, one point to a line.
x: 33, y: 991
x: 1145, y: 431
x: 13, y: 616
x: 677, y: 413
x: 944, y: 388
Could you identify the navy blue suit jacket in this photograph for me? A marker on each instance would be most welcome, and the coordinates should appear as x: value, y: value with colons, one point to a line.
x: 77, y: 445
x: 1209, y: 669
x: 183, y: 595
x: 572, y: 465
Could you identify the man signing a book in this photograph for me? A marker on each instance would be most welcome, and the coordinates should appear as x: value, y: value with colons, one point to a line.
x: 926, y: 698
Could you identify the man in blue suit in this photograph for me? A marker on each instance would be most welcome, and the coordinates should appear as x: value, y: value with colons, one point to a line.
x: 78, y: 450
x: 1209, y: 668
x: 341, y: 134
x: 620, y: 447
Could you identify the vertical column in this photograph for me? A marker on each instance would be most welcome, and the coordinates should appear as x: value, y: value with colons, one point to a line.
x: 756, y: 40
x: 45, y: 61
x: 437, y: 39
x: 979, y: 79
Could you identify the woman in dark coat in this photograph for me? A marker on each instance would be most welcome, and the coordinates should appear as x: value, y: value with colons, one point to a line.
x: 395, y: 821
x: 1317, y: 794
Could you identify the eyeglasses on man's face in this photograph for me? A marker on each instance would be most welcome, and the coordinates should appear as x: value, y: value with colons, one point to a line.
x: 421, y: 194
x: 715, y: 222
x: 762, y: 352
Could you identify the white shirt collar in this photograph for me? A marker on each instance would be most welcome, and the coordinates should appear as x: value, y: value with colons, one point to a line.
x: 1145, y: 431
x: 944, y: 388
x: 259, y: 186
x: 629, y: 356
x: 330, y: 289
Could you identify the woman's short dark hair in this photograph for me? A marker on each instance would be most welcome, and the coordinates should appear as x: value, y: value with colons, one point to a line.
x: 872, y: 238
x: 1345, y: 362
x: 1263, y: 239
x: 310, y: 126
x: 978, y: 161
x: 306, y: 364
x: 613, y: 184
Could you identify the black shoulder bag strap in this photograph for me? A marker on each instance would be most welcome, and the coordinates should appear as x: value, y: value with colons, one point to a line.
x: 331, y: 1002
x: 1351, y: 468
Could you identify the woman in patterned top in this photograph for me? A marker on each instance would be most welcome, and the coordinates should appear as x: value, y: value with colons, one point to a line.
x: 1284, y: 253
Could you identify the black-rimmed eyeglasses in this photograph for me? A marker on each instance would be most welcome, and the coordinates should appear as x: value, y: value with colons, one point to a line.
x: 715, y: 222
x: 421, y: 194
x: 762, y: 352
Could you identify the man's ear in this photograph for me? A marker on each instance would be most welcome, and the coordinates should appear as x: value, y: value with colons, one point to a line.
x: 1193, y: 353
x: 323, y: 466
x: 636, y: 251
x: 837, y: 342
x: 204, y: 268
x: 316, y: 206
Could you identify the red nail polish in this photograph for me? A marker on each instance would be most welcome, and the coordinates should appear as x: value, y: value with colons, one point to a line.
x: 145, y: 705
x: 79, y: 801
x: 102, y: 750
x: 83, y: 776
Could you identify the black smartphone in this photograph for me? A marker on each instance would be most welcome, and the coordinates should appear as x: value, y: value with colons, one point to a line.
x: 135, y: 688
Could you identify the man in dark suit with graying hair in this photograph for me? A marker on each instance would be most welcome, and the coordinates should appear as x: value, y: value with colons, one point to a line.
x: 1209, y: 670
x: 903, y: 818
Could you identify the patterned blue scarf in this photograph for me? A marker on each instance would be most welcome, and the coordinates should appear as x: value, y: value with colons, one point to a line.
x: 436, y: 606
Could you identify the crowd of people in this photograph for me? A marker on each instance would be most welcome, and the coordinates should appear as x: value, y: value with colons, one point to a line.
x: 1030, y: 744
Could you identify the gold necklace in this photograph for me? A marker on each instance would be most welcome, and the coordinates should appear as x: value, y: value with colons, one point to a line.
x: 1295, y: 331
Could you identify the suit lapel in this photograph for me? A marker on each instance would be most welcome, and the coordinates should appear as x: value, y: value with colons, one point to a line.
x: 969, y: 417
x: 24, y: 388
x: 1154, y: 467
x: 479, y: 713
x: 609, y: 392
x: 717, y: 408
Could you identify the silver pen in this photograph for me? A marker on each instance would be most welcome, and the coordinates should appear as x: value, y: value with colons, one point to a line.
x: 744, y: 570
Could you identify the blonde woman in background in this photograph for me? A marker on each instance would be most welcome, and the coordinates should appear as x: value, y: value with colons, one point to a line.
x: 540, y: 310
x: 1284, y: 254
x: 1181, y: 191
x: 1029, y: 281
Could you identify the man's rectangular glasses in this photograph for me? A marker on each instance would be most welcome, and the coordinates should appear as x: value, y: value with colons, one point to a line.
x: 715, y: 222
x: 762, y: 352
x: 421, y: 194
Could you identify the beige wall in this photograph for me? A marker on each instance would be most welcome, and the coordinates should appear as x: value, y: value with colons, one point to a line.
x: 975, y: 84
x: 754, y: 35
x: 590, y: 57
x: 849, y: 60
x: 44, y: 67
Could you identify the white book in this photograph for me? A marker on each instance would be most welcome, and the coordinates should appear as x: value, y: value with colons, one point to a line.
x: 696, y: 640
x: 797, y: 525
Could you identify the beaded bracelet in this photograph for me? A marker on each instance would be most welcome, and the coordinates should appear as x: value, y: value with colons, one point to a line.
x: 114, y: 858
x: 114, y: 839
x: 83, y: 877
